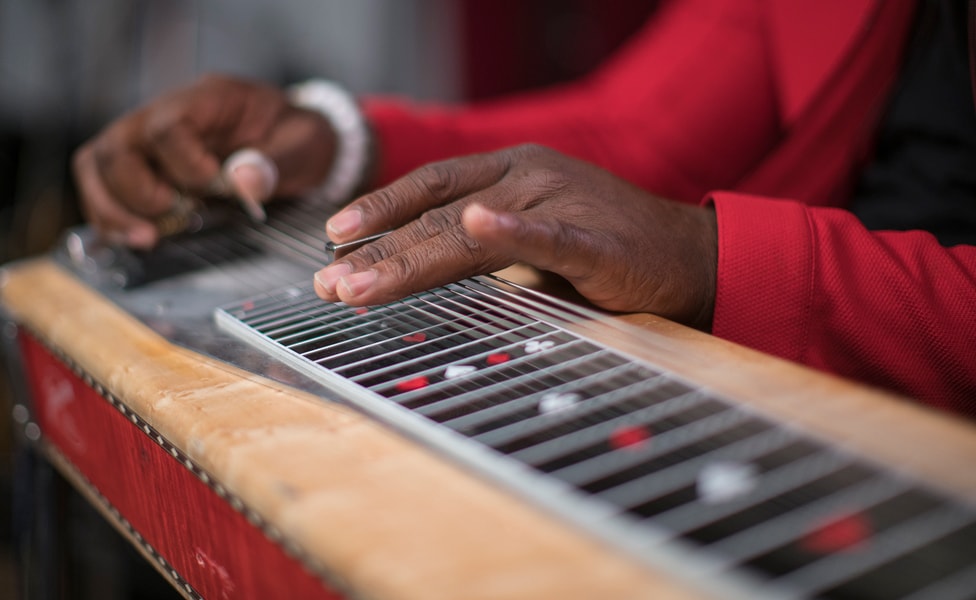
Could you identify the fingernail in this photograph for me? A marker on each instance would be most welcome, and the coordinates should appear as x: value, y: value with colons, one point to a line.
x: 252, y: 188
x: 328, y: 276
x: 346, y: 222
x: 357, y: 283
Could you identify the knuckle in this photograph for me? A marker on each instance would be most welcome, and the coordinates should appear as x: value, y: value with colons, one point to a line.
x: 382, y: 203
x: 404, y: 267
x: 440, y: 179
x: 160, y: 130
x: 467, y: 248
x: 439, y: 220
x: 371, y: 254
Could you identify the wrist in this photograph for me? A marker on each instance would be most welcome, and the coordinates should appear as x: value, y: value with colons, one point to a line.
x: 351, y: 137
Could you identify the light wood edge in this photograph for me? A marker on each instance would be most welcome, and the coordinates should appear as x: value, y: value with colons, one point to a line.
x: 387, y: 517
x: 923, y: 442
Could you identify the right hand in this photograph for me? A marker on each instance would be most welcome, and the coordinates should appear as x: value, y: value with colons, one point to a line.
x: 133, y: 171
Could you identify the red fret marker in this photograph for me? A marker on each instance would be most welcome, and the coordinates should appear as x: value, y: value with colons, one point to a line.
x: 839, y: 533
x: 362, y: 310
x: 248, y: 305
x: 630, y: 437
x: 498, y: 358
x: 415, y: 338
x: 409, y: 385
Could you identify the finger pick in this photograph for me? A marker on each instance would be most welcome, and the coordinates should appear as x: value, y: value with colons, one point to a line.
x: 254, y: 177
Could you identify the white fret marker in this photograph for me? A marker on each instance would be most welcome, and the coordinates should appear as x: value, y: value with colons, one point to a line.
x: 723, y: 481
x: 556, y: 401
x: 455, y: 371
x: 537, y: 346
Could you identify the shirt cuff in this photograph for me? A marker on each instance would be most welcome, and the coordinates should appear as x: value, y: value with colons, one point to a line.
x: 765, y: 275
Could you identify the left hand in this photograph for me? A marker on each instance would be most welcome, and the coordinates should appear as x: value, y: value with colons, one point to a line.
x: 619, y: 246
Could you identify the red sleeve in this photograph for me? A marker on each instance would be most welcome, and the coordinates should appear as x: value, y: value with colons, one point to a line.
x: 892, y: 309
x: 687, y: 106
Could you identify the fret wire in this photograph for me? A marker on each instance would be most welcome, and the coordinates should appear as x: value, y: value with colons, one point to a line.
x: 484, y: 371
x: 670, y: 441
x: 494, y: 324
x: 489, y: 301
x: 542, y: 422
x: 477, y: 323
x: 582, y: 438
x: 437, y: 354
x: 481, y: 355
x: 493, y: 412
x: 791, y: 526
x: 515, y: 302
x: 467, y: 397
x: 958, y: 586
x: 771, y: 484
x: 345, y: 328
x: 259, y: 304
x: 273, y: 324
x: 287, y: 301
x: 384, y: 312
x: 520, y: 304
x: 888, y: 545
x: 362, y: 322
x: 440, y: 339
x: 271, y: 306
x: 510, y: 315
x: 532, y: 426
x: 531, y: 301
x: 499, y: 375
x: 683, y: 474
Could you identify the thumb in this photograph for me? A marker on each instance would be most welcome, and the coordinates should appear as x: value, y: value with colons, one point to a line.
x: 543, y: 243
x: 253, y: 177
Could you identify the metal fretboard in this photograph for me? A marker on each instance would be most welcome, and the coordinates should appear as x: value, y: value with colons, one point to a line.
x: 670, y: 471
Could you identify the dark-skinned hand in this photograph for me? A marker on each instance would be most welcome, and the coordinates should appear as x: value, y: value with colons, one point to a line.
x: 133, y: 171
x: 620, y: 247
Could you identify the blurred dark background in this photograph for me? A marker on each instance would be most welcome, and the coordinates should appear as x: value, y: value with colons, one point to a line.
x: 67, y: 67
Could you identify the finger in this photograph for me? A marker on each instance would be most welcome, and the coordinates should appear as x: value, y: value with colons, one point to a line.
x: 111, y: 220
x: 448, y: 257
x: 125, y: 173
x: 544, y: 242
x: 180, y: 153
x: 430, y: 226
x: 412, y: 195
x: 253, y: 177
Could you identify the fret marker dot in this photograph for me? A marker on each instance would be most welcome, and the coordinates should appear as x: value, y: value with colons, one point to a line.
x: 630, y: 437
x: 409, y: 385
x: 556, y: 401
x: 724, y: 481
x: 840, y: 533
x: 537, y: 346
x: 248, y: 305
x: 362, y: 310
x: 498, y: 358
x: 455, y: 371
x: 415, y: 338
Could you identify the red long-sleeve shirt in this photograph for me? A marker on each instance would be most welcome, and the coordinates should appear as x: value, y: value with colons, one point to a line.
x: 766, y: 100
